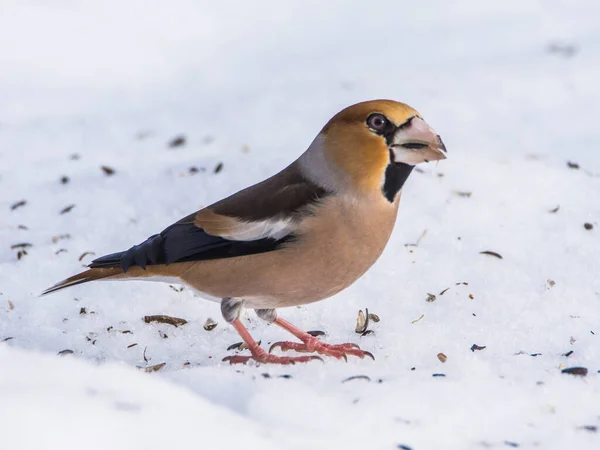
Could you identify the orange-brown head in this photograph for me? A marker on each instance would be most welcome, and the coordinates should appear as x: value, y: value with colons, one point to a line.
x: 371, y: 146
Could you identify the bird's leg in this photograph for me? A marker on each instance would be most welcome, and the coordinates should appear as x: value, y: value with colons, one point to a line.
x: 309, y: 343
x: 231, y: 310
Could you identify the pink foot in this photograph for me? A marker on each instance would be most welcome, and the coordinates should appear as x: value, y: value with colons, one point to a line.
x: 312, y: 344
x: 260, y: 356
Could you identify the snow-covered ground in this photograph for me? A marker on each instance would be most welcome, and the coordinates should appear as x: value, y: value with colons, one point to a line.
x: 512, y: 87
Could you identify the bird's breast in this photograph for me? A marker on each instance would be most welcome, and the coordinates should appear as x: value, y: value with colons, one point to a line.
x: 332, y: 248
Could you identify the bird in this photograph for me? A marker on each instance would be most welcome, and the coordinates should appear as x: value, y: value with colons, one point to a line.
x: 298, y: 237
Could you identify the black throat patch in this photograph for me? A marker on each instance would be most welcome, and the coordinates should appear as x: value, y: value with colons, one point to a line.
x: 396, y: 175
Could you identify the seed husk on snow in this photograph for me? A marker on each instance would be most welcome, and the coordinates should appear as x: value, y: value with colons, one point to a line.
x: 491, y: 253
x: 84, y: 254
x: 210, y: 324
x: 108, y: 171
x: 177, y: 141
x: 154, y: 368
x: 465, y: 194
x: 66, y: 209
x: 22, y: 245
x: 60, y: 237
x: 442, y: 357
x: 240, y: 346
x: 356, y: 377
x: 161, y: 318
x: 416, y: 320
x: 477, y: 347
x: 219, y: 167
x: 64, y: 352
x: 362, y: 321
x: 430, y: 298
x: 374, y: 317
x: 579, y: 371
x: 316, y: 333
x: 18, y: 204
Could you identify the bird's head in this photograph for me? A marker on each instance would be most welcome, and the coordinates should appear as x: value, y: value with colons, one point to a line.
x: 372, y: 146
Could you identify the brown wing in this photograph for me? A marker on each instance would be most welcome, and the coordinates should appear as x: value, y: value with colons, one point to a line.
x: 255, y: 220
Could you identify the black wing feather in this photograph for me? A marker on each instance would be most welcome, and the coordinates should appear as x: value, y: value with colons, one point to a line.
x: 181, y: 242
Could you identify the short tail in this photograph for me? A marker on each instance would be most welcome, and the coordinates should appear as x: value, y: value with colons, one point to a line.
x: 83, y: 277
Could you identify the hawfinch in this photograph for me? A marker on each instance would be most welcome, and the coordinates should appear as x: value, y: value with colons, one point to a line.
x: 298, y: 237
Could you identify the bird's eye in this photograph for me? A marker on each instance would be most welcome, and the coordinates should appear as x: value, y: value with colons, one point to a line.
x: 377, y: 122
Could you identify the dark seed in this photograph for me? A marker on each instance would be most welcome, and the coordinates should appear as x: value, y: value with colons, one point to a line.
x: 64, y: 180
x: 443, y: 292
x: 234, y: 346
x: 21, y: 245
x: 83, y: 311
x: 219, y: 167
x: 579, y: 371
x: 84, y: 254
x: 489, y: 252
x: 108, y: 171
x: 18, y: 204
x: 477, y: 347
x: 463, y: 194
x: 511, y: 444
x: 65, y: 352
x: 403, y: 447
x: 131, y: 345
x: 588, y: 226
x: 590, y: 428
x: 160, y: 318
x: 555, y: 210
x: 438, y: 375
x: 67, y: 209
x: 357, y: 377
x: 572, y: 165
x: 569, y: 353
x: 316, y: 333
x: 177, y: 141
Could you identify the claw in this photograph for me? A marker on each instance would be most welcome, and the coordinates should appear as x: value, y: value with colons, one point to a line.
x: 275, y: 345
x: 369, y: 354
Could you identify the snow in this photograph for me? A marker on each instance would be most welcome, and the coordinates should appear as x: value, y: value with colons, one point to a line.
x: 511, y: 87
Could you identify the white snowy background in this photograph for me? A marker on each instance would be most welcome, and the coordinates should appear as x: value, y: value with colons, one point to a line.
x: 513, y: 88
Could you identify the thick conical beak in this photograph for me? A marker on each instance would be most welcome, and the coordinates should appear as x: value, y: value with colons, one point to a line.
x: 416, y: 142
